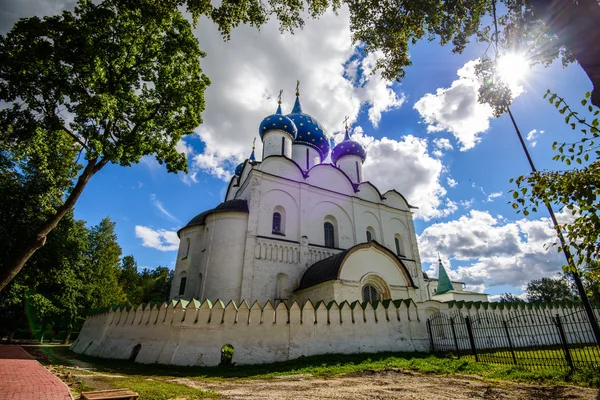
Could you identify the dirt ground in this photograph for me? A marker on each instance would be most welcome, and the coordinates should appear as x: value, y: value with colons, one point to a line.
x: 388, y: 385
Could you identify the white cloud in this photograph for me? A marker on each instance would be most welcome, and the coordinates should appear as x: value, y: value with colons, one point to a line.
x: 467, y: 204
x: 406, y: 166
x: 490, y: 251
x: 248, y: 71
x: 451, y: 182
x: 533, y: 135
x: 455, y: 109
x: 492, y: 196
x: 159, y: 239
x: 159, y: 206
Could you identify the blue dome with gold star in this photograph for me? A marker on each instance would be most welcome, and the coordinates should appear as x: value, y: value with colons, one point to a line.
x: 348, y: 148
x: 277, y: 122
x: 310, y: 131
x: 240, y: 167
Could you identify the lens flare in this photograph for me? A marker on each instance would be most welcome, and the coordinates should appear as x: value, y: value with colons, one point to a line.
x: 513, y: 68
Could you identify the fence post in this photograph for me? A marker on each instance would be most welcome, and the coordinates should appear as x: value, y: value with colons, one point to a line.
x: 454, y: 337
x: 510, y: 345
x: 471, y: 339
x: 430, y: 336
x: 563, y: 340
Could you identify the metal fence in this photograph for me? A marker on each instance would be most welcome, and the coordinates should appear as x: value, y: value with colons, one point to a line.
x: 526, y: 337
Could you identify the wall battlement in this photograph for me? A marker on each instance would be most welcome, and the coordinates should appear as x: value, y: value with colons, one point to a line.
x: 193, y: 333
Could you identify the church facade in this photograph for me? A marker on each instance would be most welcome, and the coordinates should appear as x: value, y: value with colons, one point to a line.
x: 303, y: 257
x: 296, y: 227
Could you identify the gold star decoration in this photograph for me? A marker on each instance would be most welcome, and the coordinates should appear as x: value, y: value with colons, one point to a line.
x: 308, y: 133
x: 281, y: 119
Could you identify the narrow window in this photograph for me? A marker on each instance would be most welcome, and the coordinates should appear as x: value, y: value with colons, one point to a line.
x: 276, y: 222
x: 182, y: 285
x: 369, y: 238
x: 398, y: 246
x: 357, y: 172
x: 329, y: 238
x: 369, y: 293
x: 282, y: 146
x: 307, y: 157
x: 187, y: 249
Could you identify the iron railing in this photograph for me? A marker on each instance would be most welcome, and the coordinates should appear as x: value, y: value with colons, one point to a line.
x: 527, y: 337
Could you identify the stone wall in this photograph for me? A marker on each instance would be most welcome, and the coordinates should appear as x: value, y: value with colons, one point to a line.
x: 193, y: 333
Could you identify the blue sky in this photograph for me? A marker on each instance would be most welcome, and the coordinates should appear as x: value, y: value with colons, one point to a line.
x: 450, y: 165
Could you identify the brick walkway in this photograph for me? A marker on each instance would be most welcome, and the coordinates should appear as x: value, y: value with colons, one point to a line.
x: 23, y: 378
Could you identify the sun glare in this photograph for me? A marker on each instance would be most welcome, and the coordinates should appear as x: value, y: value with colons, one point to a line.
x: 512, y: 68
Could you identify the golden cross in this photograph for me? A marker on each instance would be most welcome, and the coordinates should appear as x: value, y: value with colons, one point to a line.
x: 279, y: 97
x: 253, y: 143
x: 346, y: 122
x: 297, y: 88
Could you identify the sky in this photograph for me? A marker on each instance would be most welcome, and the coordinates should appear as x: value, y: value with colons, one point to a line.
x: 426, y: 137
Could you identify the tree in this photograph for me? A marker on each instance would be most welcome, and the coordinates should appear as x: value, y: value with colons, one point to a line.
x: 549, y: 290
x: 510, y: 298
x: 102, y: 267
x: 576, y: 190
x: 110, y: 83
x: 544, y: 29
x: 130, y: 281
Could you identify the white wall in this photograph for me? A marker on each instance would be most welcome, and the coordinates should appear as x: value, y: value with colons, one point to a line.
x: 194, y: 333
x: 272, y: 144
x: 348, y: 165
x: 299, y: 156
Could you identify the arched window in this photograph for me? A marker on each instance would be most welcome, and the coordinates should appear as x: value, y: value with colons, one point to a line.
x: 369, y: 293
x: 399, y: 246
x: 276, y: 222
x: 182, y: 283
x: 307, y: 158
x: 282, y: 146
x: 370, y: 234
x: 329, y: 234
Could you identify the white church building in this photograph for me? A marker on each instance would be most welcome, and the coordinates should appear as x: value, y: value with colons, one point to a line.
x: 303, y: 257
x: 296, y: 227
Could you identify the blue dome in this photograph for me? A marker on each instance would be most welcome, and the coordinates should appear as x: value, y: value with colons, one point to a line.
x: 310, y: 131
x: 348, y: 148
x: 277, y: 122
x: 238, y: 169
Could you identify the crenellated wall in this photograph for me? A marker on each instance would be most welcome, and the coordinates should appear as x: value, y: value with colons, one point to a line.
x: 193, y: 333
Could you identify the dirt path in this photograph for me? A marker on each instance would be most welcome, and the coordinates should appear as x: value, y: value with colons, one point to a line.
x: 388, y: 385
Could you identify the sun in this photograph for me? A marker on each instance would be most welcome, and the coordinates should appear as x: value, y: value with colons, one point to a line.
x: 513, y: 68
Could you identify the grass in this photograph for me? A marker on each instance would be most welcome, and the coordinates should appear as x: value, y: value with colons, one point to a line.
x: 150, y: 380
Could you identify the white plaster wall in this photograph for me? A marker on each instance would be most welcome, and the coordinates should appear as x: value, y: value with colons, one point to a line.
x: 332, y: 179
x: 283, y: 167
x: 225, y: 247
x: 366, y: 191
x: 335, y: 208
x: 368, y: 219
x: 272, y: 144
x: 195, y: 335
x: 457, y: 296
x: 299, y: 156
x: 272, y: 199
x: 348, y: 165
x: 372, y: 261
x: 392, y: 199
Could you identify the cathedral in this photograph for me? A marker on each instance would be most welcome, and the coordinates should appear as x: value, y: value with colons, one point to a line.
x: 296, y: 227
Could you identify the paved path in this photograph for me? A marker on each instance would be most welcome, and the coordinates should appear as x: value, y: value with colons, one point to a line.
x: 23, y: 378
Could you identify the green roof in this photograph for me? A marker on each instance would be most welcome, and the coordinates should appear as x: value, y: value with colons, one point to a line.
x: 444, y: 283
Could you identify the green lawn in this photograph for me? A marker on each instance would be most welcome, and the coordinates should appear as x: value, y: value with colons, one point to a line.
x: 151, y: 380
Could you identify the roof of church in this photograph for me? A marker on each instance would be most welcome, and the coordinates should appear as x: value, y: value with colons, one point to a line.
x: 230, y: 205
x: 328, y: 269
x: 310, y: 131
x: 348, y: 147
x: 444, y: 282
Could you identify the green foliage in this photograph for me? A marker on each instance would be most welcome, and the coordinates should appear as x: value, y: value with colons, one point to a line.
x: 108, y: 83
x: 510, y: 298
x: 549, y: 290
x: 145, y: 286
x: 573, y: 190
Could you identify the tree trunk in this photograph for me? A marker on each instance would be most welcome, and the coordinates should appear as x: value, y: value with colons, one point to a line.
x: 67, y: 337
x: 577, y: 26
x: 20, y: 256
